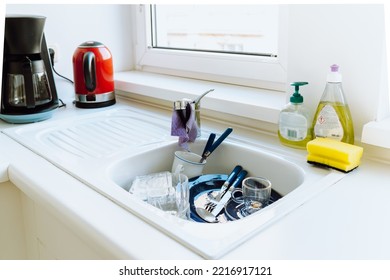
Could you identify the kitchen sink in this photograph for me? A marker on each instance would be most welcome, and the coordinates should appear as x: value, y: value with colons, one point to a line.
x: 284, y: 175
x: 106, y: 150
x: 296, y: 184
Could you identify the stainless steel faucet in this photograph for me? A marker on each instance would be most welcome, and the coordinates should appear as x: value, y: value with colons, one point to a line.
x: 181, y: 105
x: 197, y: 110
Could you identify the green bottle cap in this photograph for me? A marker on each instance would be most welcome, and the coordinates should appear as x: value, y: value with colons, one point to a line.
x: 297, y: 97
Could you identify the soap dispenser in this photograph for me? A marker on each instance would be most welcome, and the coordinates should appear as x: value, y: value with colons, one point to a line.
x: 333, y: 118
x: 295, y: 121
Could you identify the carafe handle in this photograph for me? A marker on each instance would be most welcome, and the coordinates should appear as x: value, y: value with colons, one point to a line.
x: 28, y: 79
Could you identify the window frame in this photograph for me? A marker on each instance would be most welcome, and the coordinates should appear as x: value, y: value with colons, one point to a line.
x: 254, y: 71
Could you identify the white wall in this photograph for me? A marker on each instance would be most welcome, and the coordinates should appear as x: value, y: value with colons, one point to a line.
x: 349, y: 35
x: 319, y: 35
x: 70, y: 25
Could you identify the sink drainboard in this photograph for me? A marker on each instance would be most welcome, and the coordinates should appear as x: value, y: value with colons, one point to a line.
x: 100, y: 138
x: 98, y: 135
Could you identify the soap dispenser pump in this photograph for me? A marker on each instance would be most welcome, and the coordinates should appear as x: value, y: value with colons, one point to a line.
x: 294, y: 121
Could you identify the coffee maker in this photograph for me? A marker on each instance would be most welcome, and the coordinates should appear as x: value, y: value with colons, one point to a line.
x: 28, y: 92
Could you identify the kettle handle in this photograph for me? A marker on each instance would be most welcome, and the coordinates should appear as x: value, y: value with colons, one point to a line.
x: 89, y: 67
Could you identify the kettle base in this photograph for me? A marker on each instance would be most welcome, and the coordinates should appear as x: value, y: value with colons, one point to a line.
x: 92, y: 100
x: 87, y: 105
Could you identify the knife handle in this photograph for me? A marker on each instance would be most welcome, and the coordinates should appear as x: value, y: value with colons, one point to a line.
x: 208, y: 145
x: 230, y: 179
x: 220, y: 139
x: 227, y: 193
x: 232, y: 176
x: 241, y: 176
x: 237, y: 183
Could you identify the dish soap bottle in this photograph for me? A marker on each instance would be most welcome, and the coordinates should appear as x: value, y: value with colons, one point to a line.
x: 333, y: 118
x: 294, y: 121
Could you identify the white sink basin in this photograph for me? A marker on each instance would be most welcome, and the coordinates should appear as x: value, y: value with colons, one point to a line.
x: 108, y: 149
x: 284, y: 175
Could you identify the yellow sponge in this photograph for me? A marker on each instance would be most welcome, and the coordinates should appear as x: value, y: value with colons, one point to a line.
x: 333, y: 153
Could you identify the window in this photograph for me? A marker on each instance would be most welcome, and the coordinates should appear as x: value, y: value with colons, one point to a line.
x: 238, y: 44
x: 248, y: 30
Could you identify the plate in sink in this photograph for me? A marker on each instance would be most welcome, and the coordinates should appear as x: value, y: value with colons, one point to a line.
x: 202, y: 186
x: 199, y: 188
x: 233, y: 209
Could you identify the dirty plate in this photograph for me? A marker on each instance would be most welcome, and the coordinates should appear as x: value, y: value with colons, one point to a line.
x: 233, y: 209
x: 200, y: 189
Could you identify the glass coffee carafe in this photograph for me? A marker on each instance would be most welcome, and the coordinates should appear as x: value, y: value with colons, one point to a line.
x: 28, y: 74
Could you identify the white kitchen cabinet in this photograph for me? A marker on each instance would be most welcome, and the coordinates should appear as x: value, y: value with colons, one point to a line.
x: 12, y: 242
x: 48, y: 238
x: 30, y: 231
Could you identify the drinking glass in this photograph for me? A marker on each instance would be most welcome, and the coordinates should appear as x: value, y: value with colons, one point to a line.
x: 256, y: 191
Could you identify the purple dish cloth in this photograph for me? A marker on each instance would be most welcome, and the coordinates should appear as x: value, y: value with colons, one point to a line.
x: 187, y: 133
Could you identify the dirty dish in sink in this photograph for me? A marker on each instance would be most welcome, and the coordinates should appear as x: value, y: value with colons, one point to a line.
x: 255, y: 193
x: 200, y: 189
x: 234, y: 209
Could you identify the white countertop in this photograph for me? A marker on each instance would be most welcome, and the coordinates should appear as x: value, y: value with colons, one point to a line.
x: 348, y: 220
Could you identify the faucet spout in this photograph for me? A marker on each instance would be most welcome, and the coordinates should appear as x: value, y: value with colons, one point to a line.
x: 197, y: 100
x: 197, y: 110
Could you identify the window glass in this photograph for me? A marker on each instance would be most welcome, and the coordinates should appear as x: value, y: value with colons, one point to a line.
x: 247, y: 29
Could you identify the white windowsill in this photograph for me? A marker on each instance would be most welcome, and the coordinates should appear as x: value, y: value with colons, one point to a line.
x: 377, y: 133
x: 258, y: 104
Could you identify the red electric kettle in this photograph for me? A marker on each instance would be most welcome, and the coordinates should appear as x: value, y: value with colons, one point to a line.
x: 93, y: 74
